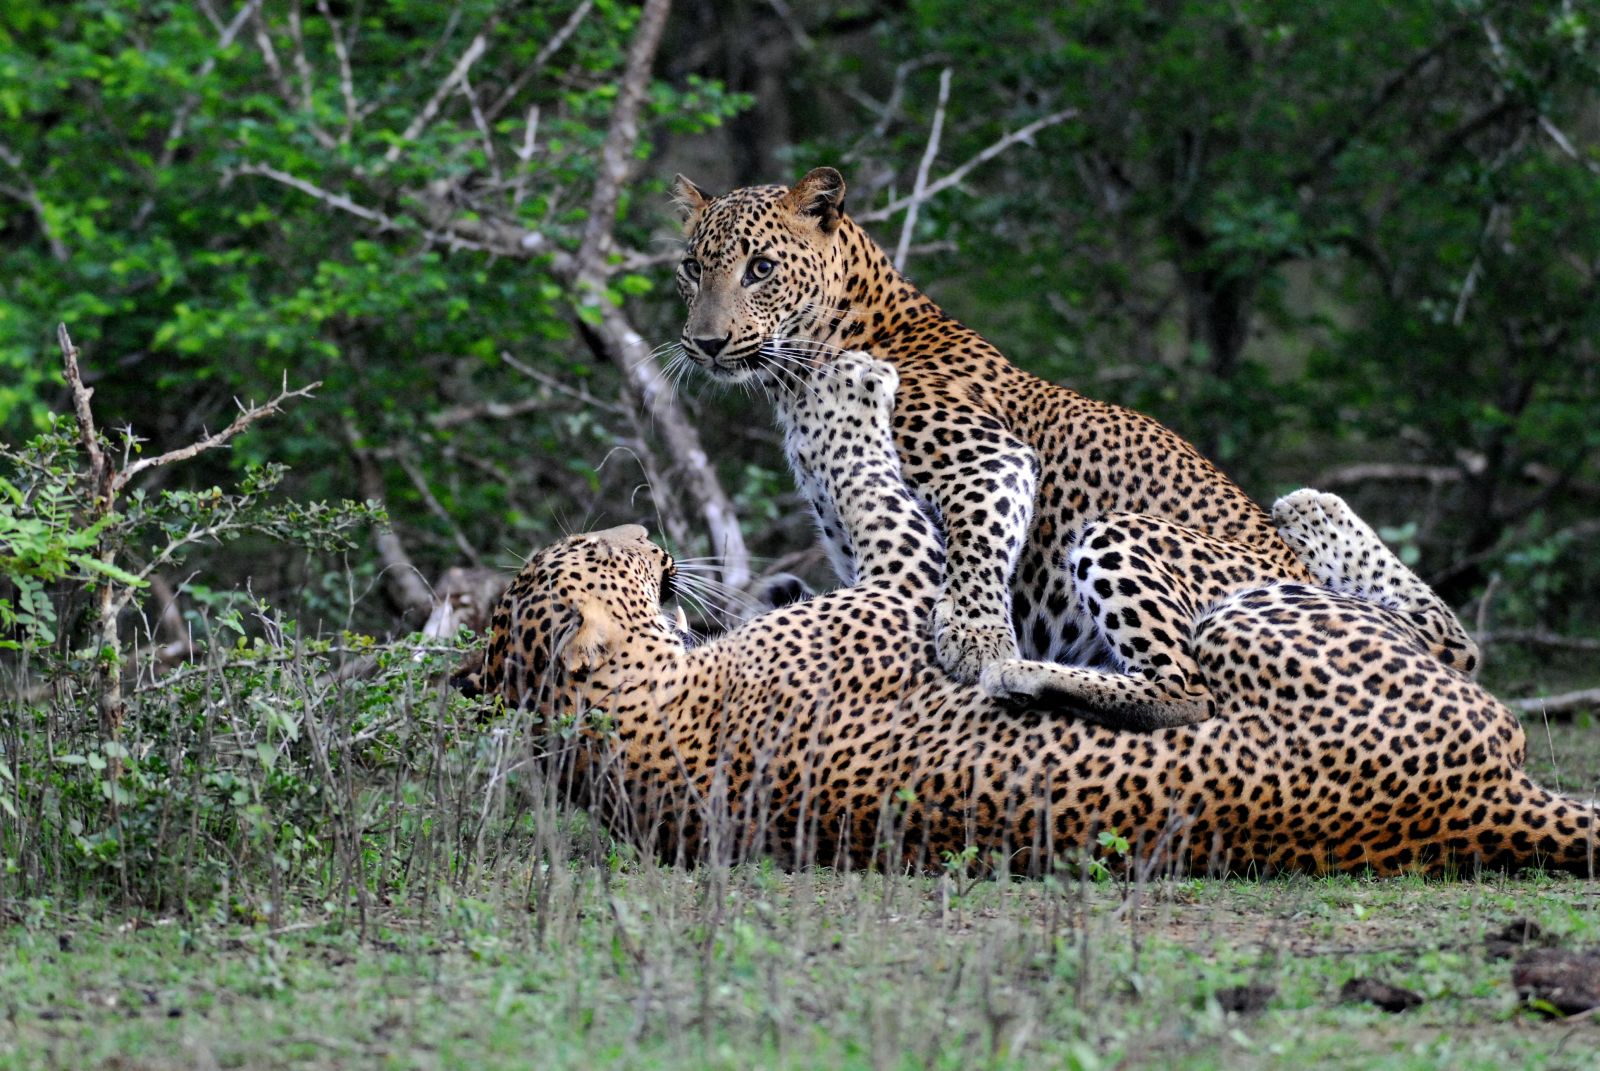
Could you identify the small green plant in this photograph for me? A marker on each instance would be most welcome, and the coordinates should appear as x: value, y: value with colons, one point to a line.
x: 1112, y: 844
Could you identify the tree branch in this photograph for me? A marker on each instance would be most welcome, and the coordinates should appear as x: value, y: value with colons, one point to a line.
x: 1565, y: 703
x: 551, y: 47
x: 180, y: 118
x: 621, y: 138
x: 99, y: 466
x: 28, y: 194
x: 1534, y: 637
x: 919, y: 188
x: 878, y: 215
x: 401, y: 578
x: 457, y: 73
x: 248, y: 415
x: 1384, y: 95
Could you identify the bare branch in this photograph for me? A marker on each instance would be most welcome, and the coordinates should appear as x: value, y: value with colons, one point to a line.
x: 482, y: 124
x: 441, y: 94
x: 28, y: 194
x: 327, y: 197
x: 269, y: 56
x: 1469, y: 286
x: 347, y: 85
x: 404, y: 583
x: 458, y: 415
x: 1564, y: 143
x: 1534, y: 637
x: 177, y: 641
x: 786, y: 15
x: 402, y: 457
x: 1565, y: 703
x: 1023, y: 133
x: 302, y: 65
x: 99, y: 465
x: 919, y: 189
x: 556, y: 385
x: 248, y: 415
x: 524, y: 155
x: 180, y: 119
x: 551, y: 47
x: 1381, y: 99
x: 622, y: 136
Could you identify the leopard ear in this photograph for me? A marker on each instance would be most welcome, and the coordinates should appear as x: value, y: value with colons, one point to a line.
x: 820, y: 195
x: 689, y: 201
x: 597, y: 636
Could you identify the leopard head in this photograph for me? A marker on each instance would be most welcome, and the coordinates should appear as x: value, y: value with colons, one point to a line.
x: 759, y: 268
x: 579, y: 610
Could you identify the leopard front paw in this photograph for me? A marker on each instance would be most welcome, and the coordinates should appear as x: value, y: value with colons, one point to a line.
x: 1011, y: 680
x: 966, y: 643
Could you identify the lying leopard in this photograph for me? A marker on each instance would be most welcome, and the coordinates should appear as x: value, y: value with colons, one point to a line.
x: 1015, y: 468
x: 823, y: 731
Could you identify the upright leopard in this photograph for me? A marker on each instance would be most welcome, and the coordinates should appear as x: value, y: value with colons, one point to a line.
x: 776, y: 279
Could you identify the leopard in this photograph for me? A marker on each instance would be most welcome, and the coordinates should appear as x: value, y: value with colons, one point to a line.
x: 827, y: 733
x: 1017, y: 469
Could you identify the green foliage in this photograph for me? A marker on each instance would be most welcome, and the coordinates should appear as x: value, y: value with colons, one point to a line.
x: 138, y: 152
x: 1299, y: 233
x: 41, y: 543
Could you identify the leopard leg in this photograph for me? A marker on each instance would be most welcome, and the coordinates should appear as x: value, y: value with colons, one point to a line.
x: 1344, y: 553
x: 981, y: 482
x: 1139, y: 586
x: 845, y: 447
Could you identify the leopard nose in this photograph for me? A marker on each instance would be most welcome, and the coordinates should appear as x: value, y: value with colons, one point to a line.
x: 710, y: 346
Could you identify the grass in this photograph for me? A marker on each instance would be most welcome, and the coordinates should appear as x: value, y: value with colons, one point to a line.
x: 624, y: 963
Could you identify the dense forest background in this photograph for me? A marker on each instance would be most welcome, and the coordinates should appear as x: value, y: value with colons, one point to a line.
x: 1353, y: 245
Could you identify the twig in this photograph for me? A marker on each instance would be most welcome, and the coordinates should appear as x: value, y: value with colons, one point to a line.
x: 551, y: 47
x: 347, y: 86
x: 524, y: 155
x: 1023, y: 133
x: 1564, y: 703
x: 1485, y: 601
x: 1384, y: 95
x: 404, y: 582
x: 458, y: 415
x: 457, y: 74
x: 420, y: 482
x: 180, y: 119
x: 919, y: 189
x: 99, y: 467
x: 327, y: 197
x: 269, y: 56
x: 302, y: 66
x: 1469, y: 286
x: 28, y: 194
x: 482, y: 124
x: 248, y: 415
x: 559, y: 387
x: 1565, y: 144
x: 1533, y: 637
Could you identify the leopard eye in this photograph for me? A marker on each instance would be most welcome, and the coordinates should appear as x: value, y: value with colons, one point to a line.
x: 691, y: 268
x: 759, y: 269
